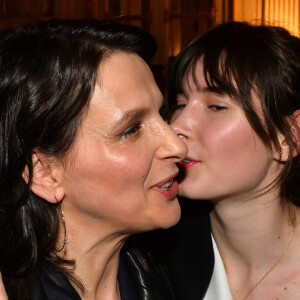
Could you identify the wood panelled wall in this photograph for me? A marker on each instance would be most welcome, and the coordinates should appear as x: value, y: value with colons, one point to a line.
x: 284, y: 13
x: 172, y: 22
x: 14, y: 12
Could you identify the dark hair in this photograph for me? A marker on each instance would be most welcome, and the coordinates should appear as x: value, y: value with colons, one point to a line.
x: 47, y: 77
x: 240, y: 59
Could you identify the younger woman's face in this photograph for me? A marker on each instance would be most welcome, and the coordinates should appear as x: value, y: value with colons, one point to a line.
x: 121, y: 170
x: 226, y: 158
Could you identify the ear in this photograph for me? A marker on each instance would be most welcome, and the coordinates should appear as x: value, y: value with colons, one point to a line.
x: 47, y: 178
x: 295, y: 130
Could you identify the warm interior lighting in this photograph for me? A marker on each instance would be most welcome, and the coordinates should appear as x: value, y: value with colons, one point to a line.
x: 284, y: 13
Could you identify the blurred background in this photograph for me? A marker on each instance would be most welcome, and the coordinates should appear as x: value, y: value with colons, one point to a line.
x: 173, y: 23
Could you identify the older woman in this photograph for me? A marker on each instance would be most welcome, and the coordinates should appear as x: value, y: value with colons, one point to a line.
x: 3, y: 295
x: 237, y: 107
x: 85, y: 161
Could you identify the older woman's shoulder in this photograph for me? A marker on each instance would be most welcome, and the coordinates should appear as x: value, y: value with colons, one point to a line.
x: 181, y: 258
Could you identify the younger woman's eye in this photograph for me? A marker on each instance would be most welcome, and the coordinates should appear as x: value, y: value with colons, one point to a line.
x: 217, y: 108
x: 131, y: 130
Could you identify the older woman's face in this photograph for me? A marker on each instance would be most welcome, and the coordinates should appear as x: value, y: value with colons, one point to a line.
x: 226, y: 158
x: 121, y: 169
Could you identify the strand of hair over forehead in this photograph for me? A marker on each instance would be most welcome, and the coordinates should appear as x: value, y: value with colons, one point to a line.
x: 239, y: 59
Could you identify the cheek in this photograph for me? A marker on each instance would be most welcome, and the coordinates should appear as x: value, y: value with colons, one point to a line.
x: 116, y: 170
x: 235, y: 142
x: 106, y: 179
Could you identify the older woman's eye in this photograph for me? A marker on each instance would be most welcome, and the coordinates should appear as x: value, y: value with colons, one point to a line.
x: 133, y: 129
x: 179, y: 106
x: 217, y: 108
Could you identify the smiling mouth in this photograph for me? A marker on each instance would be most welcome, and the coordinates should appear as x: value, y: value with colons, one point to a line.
x: 166, y: 185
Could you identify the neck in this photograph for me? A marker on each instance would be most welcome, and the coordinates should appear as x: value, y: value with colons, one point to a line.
x: 261, y: 220
x: 96, y: 254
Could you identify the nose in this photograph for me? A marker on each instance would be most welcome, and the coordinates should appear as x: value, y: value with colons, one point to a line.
x: 171, y: 145
x: 179, y: 124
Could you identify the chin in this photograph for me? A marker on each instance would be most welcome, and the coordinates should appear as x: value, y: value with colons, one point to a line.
x: 186, y: 193
x: 168, y: 219
x: 190, y: 191
x: 171, y: 219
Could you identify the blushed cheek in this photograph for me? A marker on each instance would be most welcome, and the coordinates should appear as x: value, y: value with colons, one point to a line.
x: 233, y: 143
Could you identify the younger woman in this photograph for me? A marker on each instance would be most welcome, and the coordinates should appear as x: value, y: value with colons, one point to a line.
x: 237, y: 107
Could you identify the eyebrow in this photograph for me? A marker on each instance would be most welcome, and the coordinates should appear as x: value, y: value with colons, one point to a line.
x: 133, y: 115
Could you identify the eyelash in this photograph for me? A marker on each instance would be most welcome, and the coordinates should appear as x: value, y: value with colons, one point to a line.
x: 217, y: 108
x: 180, y: 106
x: 133, y: 129
x: 214, y: 107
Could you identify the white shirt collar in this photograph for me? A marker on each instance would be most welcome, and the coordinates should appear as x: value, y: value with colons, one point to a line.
x: 218, y: 288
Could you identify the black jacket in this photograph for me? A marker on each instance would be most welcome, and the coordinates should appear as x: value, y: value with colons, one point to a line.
x: 192, y: 260
x: 181, y: 270
x: 134, y: 281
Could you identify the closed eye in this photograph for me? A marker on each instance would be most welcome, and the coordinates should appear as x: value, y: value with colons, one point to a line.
x: 180, y: 106
x: 217, y: 108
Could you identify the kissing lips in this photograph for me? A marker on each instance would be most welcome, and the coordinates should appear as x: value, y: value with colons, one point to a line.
x: 186, y: 163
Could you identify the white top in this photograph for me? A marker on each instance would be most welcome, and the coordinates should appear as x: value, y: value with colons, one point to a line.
x: 218, y: 288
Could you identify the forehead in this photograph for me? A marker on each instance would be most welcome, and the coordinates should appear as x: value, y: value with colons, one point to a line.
x: 124, y: 86
x: 125, y: 76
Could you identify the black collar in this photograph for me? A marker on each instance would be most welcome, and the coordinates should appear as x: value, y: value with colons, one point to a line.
x: 67, y: 292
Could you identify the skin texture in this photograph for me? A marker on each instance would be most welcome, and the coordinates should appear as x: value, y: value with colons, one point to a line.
x: 3, y: 295
x: 219, y: 138
x: 112, y: 174
x: 108, y: 183
x: 231, y: 167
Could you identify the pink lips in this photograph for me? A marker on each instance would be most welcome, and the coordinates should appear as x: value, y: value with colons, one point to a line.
x: 186, y: 165
x: 170, y: 192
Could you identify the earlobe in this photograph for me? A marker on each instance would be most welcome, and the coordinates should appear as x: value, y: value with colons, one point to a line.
x: 295, y: 134
x: 46, y: 180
